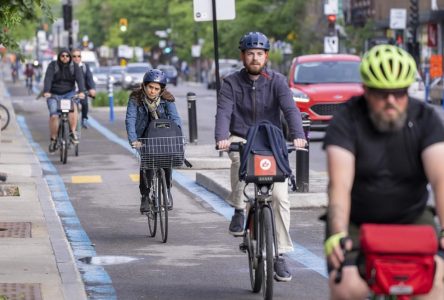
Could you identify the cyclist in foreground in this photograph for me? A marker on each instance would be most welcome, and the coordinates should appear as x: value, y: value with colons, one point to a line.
x: 247, y: 97
x: 149, y: 102
x: 90, y: 85
x: 383, y: 148
x: 60, y: 82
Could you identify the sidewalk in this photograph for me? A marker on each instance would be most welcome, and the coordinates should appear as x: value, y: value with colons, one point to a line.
x: 36, y: 260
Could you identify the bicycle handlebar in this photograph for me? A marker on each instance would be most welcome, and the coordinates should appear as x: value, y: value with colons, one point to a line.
x: 237, y: 146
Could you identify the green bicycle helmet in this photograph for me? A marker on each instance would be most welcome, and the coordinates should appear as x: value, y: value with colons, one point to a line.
x: 387, y: 67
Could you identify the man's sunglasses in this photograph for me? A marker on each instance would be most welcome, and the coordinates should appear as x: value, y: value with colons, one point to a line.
x: 64, y: 55
x: 384, y: 94
x: 75, y: 56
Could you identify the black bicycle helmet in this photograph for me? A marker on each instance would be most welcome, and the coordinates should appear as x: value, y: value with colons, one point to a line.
x: 254, y: 40
x: 155, y: 75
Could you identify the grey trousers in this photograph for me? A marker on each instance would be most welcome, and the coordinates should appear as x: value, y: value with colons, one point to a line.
x: 280, y: 201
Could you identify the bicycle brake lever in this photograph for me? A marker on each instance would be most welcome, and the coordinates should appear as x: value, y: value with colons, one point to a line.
x: 342, y: 243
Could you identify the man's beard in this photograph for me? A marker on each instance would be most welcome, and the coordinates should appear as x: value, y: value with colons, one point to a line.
x: 257, y: 69
x: 383, y: 125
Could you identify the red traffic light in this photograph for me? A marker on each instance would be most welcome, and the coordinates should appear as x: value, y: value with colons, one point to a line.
x: 331, y: 18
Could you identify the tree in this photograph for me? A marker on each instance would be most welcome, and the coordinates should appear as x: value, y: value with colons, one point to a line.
x: 23, y: 12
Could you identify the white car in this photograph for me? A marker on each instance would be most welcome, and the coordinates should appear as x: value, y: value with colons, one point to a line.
x: 132, y: 76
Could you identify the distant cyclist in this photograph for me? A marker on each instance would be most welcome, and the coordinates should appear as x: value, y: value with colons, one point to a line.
x: 247, y: 97
x: 149, y: 102
x: 29, y: 75
x: 89, y: 84
x: 60, y: 82
x: 383, y: 148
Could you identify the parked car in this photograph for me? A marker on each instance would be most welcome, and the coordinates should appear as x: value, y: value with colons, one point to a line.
x: 170, y: 72
x: 100, y: 76
x: 226, y: 67
x: 116, y: 72
x: 321, y: 82
x: 133, y: 74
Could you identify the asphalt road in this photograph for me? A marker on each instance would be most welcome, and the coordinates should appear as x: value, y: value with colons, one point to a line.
x: 200, y: 260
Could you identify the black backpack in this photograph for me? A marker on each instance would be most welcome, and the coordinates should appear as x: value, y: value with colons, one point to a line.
x: 264, y: 158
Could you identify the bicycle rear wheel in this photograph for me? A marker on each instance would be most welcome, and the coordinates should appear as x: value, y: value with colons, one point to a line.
x: 64, y: 142
x: 4, y: 117
x: 267, y: 246
x: 163, y: 204
x: 152, y: 218
x: 250, y: 241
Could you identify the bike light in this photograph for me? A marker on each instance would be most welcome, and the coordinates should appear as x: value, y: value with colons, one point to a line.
x: 264, y: 189
x: 299, y: 96
x: 128, y: 78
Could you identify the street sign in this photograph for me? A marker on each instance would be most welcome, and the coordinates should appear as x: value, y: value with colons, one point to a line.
x: 330, y: 7
x: 435, y: 65
x: 432, y: 35
x: 398, y: 18
x: 203, y: 10
x: 195, y: 50
x: 331, y: 44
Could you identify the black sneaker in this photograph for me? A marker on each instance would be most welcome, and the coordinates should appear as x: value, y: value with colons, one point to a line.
x: 144, y: 205
x: 237, y: 223
x: 170, y: 200
x: 282, y: 273
x: 52, y: 146
x: 85, y: 123
x: 74, y: 138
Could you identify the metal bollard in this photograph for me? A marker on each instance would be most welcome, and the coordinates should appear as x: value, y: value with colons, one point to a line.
x: 111, y: 99
x: 303, y: 159
x: 192, y: 117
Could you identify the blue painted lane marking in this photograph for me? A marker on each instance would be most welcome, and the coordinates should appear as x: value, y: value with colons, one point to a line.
x: 98, y: 284
x: 300, y: 254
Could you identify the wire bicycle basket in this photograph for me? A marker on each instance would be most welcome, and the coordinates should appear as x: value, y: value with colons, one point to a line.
x: 161, y: 152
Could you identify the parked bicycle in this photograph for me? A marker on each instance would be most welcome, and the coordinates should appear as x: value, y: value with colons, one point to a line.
x: 259, y: 240
x: 158, y: 153
x: 4, y: 117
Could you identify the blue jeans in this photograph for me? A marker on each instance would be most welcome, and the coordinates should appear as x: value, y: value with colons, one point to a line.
x: 53, y: 101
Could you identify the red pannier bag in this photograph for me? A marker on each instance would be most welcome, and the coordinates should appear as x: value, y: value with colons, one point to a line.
x: 399, y: 259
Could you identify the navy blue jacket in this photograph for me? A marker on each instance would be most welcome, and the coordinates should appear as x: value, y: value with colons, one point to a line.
x: 243, y: 103
x: 138, y: 117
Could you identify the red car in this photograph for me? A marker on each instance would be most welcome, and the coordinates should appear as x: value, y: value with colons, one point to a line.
x: 321, y: 82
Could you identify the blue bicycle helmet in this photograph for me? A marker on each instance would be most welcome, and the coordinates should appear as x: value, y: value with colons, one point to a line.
x: 254, y: 40
x: 155, y: 75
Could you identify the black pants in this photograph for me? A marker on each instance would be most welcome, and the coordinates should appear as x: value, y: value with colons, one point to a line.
x: 84, y: 103
x: 147, y: 175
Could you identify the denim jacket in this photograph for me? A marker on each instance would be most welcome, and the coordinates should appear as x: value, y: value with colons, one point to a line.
x: 138, y: 116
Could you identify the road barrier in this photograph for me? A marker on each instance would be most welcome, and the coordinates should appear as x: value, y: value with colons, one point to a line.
x: 192, y: 117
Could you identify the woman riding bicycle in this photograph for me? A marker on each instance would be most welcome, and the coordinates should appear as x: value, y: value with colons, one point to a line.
x: 383, y: 148
x: 150, y: 101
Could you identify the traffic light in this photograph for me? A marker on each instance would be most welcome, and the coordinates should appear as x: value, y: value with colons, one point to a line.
x: 123, y: 24
x: 414, y: 14
x: 167, y: 50
x: 67, y: 16
x: 331, y: 19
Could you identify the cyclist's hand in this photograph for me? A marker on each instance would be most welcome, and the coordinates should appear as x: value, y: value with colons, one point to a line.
x: 136, y: 144
x: 333, y: 249
x: 299, y: 143
x: 46, y: 95
x: 92, y: 93
x: 223, y: 144
x: 81, y: 95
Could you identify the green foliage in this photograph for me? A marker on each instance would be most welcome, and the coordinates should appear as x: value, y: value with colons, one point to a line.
x: 17, y: 17
x: 120, y: 98
x: 358, y: 35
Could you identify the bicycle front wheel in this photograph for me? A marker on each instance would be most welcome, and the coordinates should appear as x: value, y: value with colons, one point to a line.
x: 251, y: 242
x: 163, y: 204
x: 267, y: 246
x: 64, y: 142
x: 4, y: 117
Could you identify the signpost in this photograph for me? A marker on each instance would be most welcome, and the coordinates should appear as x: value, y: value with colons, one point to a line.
x: 331, y: 44
x: 213, y: 10
x: 398, y: 18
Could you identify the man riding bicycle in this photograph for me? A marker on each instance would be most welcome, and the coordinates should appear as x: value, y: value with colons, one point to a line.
x: 60, y: 82
x: 383, y: 148
x: 149, y: 102
x: 90, y: 85
x: 247, y: 97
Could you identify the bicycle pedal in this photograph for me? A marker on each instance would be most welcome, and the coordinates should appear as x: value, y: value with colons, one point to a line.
x: 243, y: 247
